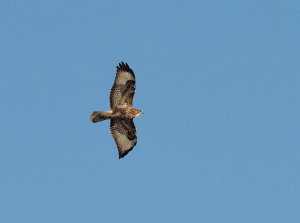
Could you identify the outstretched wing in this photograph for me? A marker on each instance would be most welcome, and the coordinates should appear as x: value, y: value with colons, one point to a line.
x: 124, y: 134
x: 123, y: 88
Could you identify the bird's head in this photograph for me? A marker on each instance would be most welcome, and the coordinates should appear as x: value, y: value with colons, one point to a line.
x: 138, y: 112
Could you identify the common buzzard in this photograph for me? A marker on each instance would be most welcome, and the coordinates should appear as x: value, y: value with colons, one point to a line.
x: 121, y: 111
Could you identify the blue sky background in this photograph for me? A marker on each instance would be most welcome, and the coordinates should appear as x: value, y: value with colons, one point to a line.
x: 218, y: 82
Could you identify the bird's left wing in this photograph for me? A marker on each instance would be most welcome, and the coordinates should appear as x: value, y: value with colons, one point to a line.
x: 124, y: 134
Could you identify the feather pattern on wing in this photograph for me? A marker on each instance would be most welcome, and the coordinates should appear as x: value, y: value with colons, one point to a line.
x: 124, y: 134
x: 123, y: 88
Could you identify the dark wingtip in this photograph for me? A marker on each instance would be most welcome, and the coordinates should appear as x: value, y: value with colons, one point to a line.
x: 123, y: 64
x: 125, y: 67
x: 122, y: 155
x: 126, y: 152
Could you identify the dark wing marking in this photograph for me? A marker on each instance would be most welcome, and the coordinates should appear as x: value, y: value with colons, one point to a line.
x: 124, y: 134
x: 123, y: 88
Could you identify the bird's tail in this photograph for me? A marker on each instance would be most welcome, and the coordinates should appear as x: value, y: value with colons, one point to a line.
x: 100, y: 116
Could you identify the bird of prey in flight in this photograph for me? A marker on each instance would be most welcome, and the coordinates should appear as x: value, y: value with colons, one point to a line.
x: 121, y: 111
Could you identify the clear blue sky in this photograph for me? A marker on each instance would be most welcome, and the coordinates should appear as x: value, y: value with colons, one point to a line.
x: 218, y: 82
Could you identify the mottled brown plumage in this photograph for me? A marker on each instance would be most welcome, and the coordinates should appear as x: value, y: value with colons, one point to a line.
x: 121, y: 111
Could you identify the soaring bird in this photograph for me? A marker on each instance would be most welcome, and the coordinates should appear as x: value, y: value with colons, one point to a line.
x: 121, y: 111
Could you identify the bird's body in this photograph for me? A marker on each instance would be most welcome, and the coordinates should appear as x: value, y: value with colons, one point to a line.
x: 121, y: 111
x: 125, y: 112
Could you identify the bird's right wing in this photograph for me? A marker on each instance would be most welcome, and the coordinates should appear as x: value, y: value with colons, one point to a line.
x: 123, y: 88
